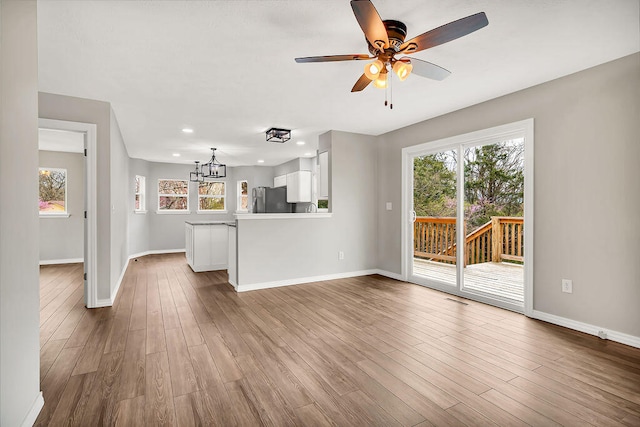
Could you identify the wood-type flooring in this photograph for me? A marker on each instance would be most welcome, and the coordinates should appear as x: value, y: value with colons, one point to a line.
x: 180, y: 349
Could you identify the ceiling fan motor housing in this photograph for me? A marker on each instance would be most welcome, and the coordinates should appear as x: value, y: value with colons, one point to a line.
x: 396, y: 32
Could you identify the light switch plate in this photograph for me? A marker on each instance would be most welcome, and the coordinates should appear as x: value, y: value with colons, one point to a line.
x: 389, y: 206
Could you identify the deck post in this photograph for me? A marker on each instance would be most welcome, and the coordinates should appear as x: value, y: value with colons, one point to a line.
x: 496, y: 239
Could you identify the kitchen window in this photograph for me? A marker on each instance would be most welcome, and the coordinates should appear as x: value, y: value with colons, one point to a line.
x: 52, y: 198
x: 140, y: 191
x: 243, y: 196
x: 212, y: 197
x: 173, y: 196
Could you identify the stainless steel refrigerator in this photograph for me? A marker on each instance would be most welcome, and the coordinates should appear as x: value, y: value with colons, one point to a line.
x: 270, y: 200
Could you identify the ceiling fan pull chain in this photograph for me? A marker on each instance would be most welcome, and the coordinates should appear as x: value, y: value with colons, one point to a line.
x: 390, y: 92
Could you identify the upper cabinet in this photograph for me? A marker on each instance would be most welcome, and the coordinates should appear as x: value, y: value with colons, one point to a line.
x: 280, y: 181
x: 299, y: 187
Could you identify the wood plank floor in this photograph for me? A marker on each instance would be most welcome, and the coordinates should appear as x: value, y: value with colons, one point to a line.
x: 181, y: 349
x: 491, y: 278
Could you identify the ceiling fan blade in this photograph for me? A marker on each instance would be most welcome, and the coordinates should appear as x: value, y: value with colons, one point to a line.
x: 445, y: 33
x: 362, y: 83
x: 332, y: 58
x: 428, y: 70
x: 370, y: 22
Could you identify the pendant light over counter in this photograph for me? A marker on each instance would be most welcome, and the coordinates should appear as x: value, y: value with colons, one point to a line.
x: 213, y: 169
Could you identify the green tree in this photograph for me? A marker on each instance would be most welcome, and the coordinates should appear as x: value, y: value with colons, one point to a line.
x: 494, y: 181
x: 434, y: 184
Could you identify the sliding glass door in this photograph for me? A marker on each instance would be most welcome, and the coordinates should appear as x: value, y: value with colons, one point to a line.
x: 435, y: 222
x: 465, y: 200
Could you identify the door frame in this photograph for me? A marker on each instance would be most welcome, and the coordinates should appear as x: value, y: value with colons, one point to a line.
x: 485, y: 136
x: 90, y: 201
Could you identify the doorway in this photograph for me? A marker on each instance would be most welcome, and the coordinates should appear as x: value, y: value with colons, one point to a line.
x: 468, y: 205
x: 86, y: 134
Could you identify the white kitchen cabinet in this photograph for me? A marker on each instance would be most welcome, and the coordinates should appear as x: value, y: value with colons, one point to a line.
x: 280, y: 181
x: 207, y: 246
x: 299, y: 187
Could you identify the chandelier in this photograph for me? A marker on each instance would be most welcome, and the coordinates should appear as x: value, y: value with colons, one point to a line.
x: 212, y: 169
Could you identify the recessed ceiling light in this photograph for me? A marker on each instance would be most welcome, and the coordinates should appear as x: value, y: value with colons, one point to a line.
x: 308, y: 154
x: 176, y: 154
x: 260, y: 161
x: 187, y: 130
x: 300, y: 142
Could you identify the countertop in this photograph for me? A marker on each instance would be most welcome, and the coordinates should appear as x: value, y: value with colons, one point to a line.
x: 254, y: 216
x: 229, y: 223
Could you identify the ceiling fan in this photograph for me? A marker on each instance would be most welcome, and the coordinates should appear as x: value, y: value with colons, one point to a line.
x: 386, y: 40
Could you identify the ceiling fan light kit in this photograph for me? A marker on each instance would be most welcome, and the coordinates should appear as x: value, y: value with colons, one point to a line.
x: 278, y: 135
x: 386, y: 39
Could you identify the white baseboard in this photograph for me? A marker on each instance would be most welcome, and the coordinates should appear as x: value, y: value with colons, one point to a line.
x: 157, y: 252
x: 62, y: 261
x: 301, y: 280
x: 30, y: 419
x: 620, y: 337
x: 390, y: 275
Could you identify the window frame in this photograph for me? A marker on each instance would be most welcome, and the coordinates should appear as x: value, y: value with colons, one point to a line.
x: 239, y: 196
x: 62, y: 214
x: 173, y: 211
x: 223, y: 197
x: 142, y: 194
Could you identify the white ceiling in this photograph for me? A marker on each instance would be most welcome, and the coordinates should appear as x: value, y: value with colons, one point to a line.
x: 227, y: 70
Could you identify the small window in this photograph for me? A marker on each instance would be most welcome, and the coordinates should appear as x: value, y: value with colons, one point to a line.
x: 173, y: 195
x: 211, y: 196
x: 140, y: 200
x: 53, y: 191
x: 243, y: 196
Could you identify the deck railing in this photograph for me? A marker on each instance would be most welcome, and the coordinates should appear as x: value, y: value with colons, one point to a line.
x: 500, y: 239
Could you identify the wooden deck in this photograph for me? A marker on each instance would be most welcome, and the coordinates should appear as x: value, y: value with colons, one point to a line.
x: 493, y: 278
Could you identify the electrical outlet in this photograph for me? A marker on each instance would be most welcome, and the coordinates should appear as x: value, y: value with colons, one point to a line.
x: 340, y: 255
x: 567, y: 286
x: 602, y: 335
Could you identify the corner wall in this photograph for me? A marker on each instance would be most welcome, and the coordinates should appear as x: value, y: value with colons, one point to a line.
x: 20, y: 397
x: 586, y: 183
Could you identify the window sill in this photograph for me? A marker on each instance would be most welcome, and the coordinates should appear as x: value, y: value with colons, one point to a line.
x: 169, y: 212
x: 140, y: 212
x: 55, y: 215
x: 211, y: 212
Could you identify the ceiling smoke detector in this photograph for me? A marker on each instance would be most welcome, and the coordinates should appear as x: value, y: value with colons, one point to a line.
x: 278, y: 135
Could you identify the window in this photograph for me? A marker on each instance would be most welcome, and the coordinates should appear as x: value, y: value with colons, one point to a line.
x: 140, y: 200
x: 53, y: 192
x: 243, y: 196
x: 211, y: 196
x: 173, y: 196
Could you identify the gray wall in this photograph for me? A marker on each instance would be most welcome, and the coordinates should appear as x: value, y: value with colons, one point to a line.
x: 586, y: 183
x: 63, y: 238
x: 120, y: 184
x: 300, y: 248
x: 19, y: 287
